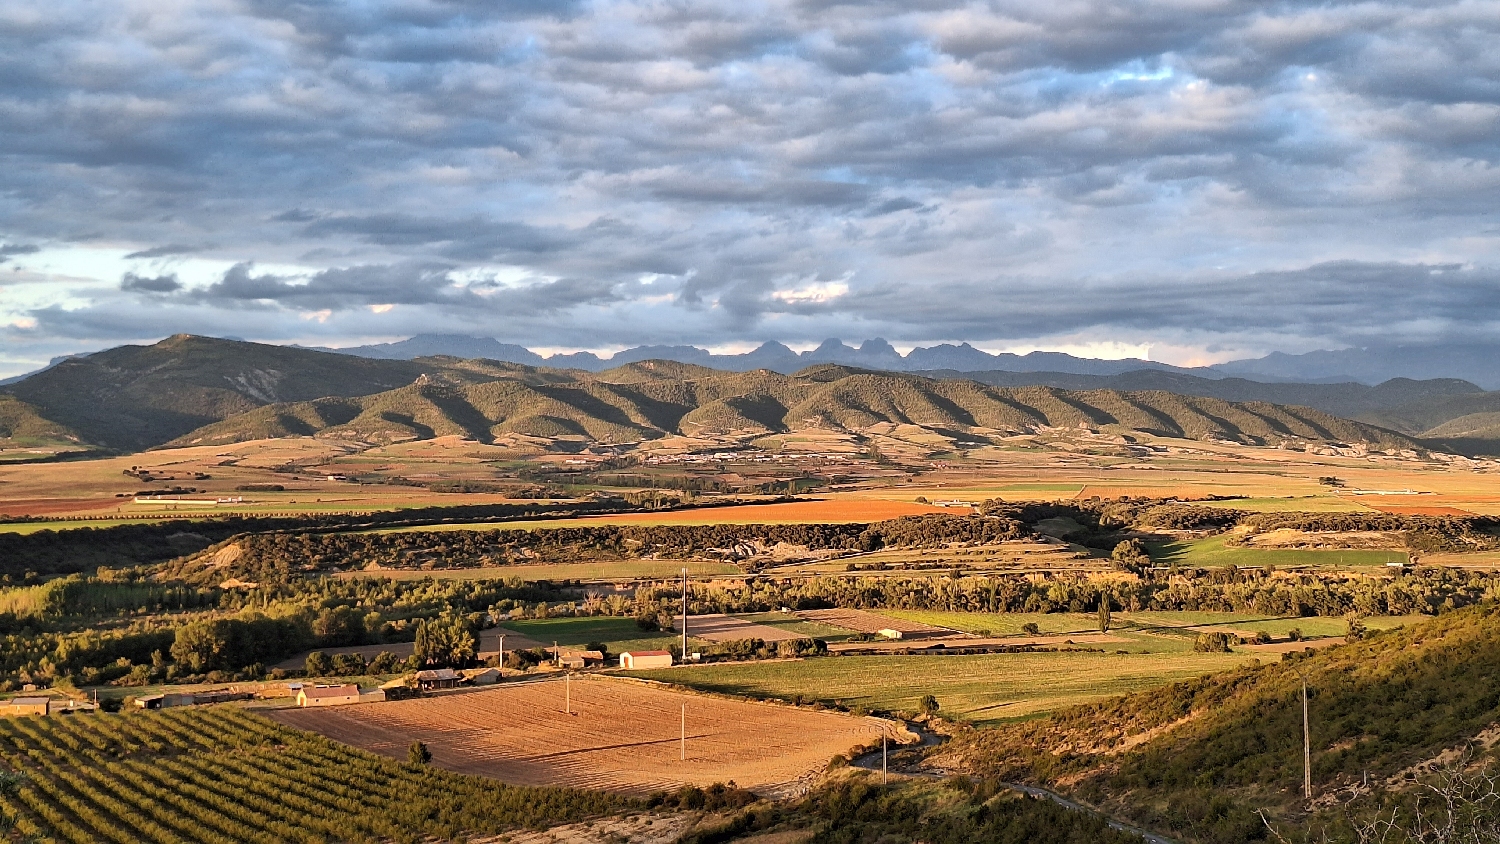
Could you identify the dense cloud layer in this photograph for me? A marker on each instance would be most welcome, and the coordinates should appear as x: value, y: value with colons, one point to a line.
x: 1204, y: 175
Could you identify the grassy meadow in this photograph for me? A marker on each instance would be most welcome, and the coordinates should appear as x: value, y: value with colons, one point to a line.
x: 980, y: 689
x: 1214, y: 551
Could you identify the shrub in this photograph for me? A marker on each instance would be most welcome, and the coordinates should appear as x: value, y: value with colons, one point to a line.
x: 1216, y: 642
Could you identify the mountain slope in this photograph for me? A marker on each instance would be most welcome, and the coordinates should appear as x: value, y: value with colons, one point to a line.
x: 1197, y: 758
x: 651, y: 399
x: 1387, y: 404
x: 22, y: 424
x: 133, y: 397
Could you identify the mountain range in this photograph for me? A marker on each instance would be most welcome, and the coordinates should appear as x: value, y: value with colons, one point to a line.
x: 188, y: 389
x: 1474, y: 362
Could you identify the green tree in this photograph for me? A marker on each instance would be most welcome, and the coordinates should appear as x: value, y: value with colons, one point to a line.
x: 418, y: 755
x: 928, y: 704
x: 318, y: 664
x: 384, y: 662
x: 445, y: 642
x: 1355, y: 628
x: 1131, y: 556
x: 1104, y: 614
x: 348, y: 665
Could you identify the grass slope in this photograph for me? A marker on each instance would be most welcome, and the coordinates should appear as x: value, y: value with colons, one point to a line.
x: 1198, y: 757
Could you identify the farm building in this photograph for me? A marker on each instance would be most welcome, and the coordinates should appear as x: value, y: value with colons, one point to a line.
x: 163, y: 701
x: 328, y: 695
x: 438, y: 678
x: 646, y: 659
x: 398, y: 690
x: 25, y: 706
x: 482, y: 676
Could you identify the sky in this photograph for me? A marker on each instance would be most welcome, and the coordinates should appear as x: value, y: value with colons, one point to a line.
x: 1189, y: 180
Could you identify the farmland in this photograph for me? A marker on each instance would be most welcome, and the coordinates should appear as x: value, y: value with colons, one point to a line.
x: 604, y: 570
x: 978, y: 689
x: 1213, y: 551
x: 621, y: 735
x: 220, y: 774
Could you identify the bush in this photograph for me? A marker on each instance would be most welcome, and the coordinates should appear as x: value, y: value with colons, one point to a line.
x: 418, y: 755
x: 1217, y: 642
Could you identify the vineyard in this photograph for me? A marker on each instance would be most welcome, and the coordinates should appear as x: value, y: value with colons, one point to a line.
x: 220, y: 774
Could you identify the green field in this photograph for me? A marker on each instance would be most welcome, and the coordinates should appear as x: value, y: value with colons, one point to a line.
x: 1210, y: 552
x: 1129, y: 624
x: 984, y: 689
x: 620, y: 634
x: 607, y: 570
x: 1002, y: 624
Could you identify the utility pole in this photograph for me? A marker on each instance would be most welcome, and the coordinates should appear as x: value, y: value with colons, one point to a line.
x: 1307, y: 791
x: 885, y: 775
x: 568, y: 685
x: 682, y: 752
x: 684, y: 615
x: 501, y: 669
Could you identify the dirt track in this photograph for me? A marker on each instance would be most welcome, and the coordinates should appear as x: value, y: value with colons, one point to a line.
x: 622, y: 736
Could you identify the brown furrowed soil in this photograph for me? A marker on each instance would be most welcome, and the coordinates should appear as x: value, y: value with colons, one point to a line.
x: 868, y: 622
x: 727, y: 628
x: 622, y: 735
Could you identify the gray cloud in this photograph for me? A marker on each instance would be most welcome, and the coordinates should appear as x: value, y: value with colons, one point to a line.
x: 133, y: 283
x: 10, y: 250
x: 1207, y: 171
x: 164, y: 251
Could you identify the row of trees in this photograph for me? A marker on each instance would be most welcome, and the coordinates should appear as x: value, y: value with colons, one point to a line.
x: 277, y: 557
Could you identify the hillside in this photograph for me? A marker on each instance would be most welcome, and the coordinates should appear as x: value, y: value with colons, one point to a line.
x: 22, y: 425
x: 1395, y: 398
x: 134, y: 397
x: 1197, y: 758
x: 652, y: 399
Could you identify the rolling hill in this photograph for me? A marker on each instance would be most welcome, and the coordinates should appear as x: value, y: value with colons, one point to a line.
x: 651, y: 399
x: 189, y: 389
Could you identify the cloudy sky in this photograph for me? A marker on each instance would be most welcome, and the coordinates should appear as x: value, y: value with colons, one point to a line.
x: 1191, y: 179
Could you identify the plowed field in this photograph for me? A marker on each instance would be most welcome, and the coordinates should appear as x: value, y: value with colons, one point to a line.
x: 727, y: 628
x: 867, y: 622
x: 622, y: 735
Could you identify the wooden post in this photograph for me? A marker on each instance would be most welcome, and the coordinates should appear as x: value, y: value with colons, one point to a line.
x: 1307, y: 792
